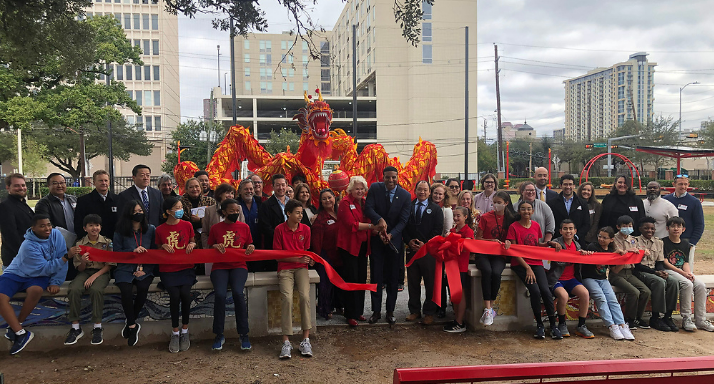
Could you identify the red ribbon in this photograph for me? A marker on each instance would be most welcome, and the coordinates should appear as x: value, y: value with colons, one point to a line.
x: 159, y: 256
x: 446, y: 250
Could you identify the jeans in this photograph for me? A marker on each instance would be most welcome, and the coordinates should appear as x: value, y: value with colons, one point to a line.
x: 132, y: 306
x: 491, y: 267
x: 179, y: 295
x: 537, y: 290
x: 220, y: 279
x: 606, y: 301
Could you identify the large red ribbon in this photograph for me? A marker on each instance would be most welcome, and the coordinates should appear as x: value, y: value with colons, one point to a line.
x: 446, y: 250
x: 159, y: 256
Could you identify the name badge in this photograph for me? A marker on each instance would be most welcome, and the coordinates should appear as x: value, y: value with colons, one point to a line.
x: 428, y: 211
x: 580, y: 208
x: 330, y: 222
x: 633, y: 209
x: 352, y: 206
x: 114, y: 209
x: 74, y: 205
x: 592, y: 211
x: 682, y: 207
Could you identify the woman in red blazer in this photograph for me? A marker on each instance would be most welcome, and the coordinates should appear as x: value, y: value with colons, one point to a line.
x: 353, y: 246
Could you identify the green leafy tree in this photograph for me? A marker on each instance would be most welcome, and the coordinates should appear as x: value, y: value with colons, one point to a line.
x: 279, y: 141
x: 486, y: 157
x: 189, y: 134
x: 706, y: 136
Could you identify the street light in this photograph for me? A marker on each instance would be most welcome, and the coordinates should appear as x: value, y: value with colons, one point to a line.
x: 680, y: 108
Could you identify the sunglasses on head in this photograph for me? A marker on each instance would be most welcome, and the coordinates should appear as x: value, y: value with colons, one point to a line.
x: 682, y: 176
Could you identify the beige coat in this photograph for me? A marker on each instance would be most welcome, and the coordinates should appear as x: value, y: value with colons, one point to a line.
x: 211, y: 217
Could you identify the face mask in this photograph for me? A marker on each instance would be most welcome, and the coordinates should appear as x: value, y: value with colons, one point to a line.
x: 627, y: 230
x: 499, y: 207
x: 138, y: 217
x: 232, y: 217
x: 178, y: 214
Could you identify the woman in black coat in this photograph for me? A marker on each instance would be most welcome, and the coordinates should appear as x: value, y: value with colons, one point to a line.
x: 621, y: 201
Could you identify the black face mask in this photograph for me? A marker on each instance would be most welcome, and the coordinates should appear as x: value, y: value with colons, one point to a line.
x: 138, y: 217
x: 232, y: 217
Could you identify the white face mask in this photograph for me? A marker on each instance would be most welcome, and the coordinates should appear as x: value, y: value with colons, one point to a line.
x: 499, y: 207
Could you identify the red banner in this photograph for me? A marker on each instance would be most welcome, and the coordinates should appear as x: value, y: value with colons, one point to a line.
x: 159, y: 256
x: 447, y: 249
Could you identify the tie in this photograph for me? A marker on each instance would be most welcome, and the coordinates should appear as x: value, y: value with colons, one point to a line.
x: 419, y: 212
x: 542, y: 195
x: 145, y: 199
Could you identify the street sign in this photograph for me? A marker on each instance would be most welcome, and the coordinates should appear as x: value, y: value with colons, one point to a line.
x: 608, y: 166
x: 599, y: 145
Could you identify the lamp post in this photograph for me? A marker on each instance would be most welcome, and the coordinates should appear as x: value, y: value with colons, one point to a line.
x: 680, y: 108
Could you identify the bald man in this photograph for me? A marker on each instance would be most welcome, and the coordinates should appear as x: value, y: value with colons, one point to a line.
x: 543, y: 193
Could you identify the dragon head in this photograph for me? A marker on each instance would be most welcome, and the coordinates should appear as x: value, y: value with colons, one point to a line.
x: 316, y: 118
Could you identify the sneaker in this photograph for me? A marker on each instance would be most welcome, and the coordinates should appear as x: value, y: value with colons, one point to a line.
x: 670, y: 323
x: 97, y: 336
x: 184, y: 342
x: 10, y: 335
x: 245, y: 343
x: 563, y: 328
x: 174, y: 343
x: 632, y: 324
x: 133, y: 335
x: 218, y: 343
x: 285, y: 352
x: 486, y: 311
x: 658, y: 324
x: 688, y: 324
x: 306, y: 348
x: 616, y: 331
x: 642, y: 324
x: 540, y: 332
x: 125, y: 330
x: 706, y: 326
x: 488, y: 320
x: 455, y: 327
x: 73, y: 335
x: 555, y: 333
x: 493, y: 313
x: 21, y: 342
x: 625, y: 330
x: 584, y: 332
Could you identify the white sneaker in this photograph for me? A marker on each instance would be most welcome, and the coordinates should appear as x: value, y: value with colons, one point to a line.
x: 285, y: 352
x: 705, y: 325
x: 688, y: 324
x: 626, y: 333
x: 488, y: 320
x: 305, y: 348
x: 616, y: 333
x: 483, y: 316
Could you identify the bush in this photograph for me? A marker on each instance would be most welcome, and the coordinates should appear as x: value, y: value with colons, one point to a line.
x: 77, y: 191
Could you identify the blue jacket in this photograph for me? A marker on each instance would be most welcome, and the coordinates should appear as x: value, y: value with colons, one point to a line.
x: 690, y: 209
x: 396, y: 213
x: 41, y: 257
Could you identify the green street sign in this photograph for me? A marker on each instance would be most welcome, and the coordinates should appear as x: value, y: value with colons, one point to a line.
x: 599, y: 145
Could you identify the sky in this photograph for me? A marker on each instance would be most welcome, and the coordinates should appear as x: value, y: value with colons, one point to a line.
x: 540, y: 44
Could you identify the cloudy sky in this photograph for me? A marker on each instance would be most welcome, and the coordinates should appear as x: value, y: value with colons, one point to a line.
x: 541, y: 43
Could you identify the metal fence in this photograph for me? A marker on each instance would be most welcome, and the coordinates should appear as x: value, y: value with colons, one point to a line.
x: 34, y: 186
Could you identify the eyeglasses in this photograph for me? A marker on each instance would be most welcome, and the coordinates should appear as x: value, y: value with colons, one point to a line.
x: 453, y: 187
x: 56, y: 183
x: 682, y: 176
x: 489, y: 182
x: 529, y: 190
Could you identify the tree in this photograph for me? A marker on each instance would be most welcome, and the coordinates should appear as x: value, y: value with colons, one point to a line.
x: 281, y: 140
x: 188, y: 134
x: 486, y: 156
x: 707, y: 135
x: 662, y: 131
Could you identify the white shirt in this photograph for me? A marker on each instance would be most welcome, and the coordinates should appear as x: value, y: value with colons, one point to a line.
x: 661, y: 210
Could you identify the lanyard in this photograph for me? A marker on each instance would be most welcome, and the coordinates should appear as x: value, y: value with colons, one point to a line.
x: 138, y: 242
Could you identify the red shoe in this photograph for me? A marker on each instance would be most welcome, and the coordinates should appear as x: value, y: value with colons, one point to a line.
x: 352, y: 322
x: 362, y: 318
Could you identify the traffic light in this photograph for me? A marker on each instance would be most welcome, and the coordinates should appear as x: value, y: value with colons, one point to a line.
x: 613, y: 147
x: 588, y: 146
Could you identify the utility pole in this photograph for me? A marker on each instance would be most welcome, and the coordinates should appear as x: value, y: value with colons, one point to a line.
x: 466, y: 107
x: 19, y: 149
x: 530, y: 159
x: 83, y: 156
x: 484, y: 129
x: 354, y: 81
x: 219, y: 64
x: 233, y: 72
x: 111, y: 152
x: 498, y: 111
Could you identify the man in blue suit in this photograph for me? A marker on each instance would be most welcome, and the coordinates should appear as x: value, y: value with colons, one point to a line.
x: 387, y: 206
x: 151, y: 198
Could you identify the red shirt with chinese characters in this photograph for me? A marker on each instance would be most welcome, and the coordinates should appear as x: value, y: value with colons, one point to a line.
x: 178, y: 236
x: 231, y: 235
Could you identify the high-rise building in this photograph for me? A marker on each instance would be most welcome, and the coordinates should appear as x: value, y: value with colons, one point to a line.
x: 603, y: 99
x: 404, y: 92
x: 155, y: 85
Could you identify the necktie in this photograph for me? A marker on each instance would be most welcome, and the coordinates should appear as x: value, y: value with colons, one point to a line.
x: 419, y: 212
x: 145, y: 199
x: 542, y: 195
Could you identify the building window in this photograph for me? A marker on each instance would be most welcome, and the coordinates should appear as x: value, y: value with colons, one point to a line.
x: 147, y: 72
x: 304, y: 47
x: 426, y: 54
x: 120, y: 72
x: 305, y: 59
x: 284, y: 72
x: 305, y: 86
x: 285, y: 86
x: 156, y: 73
x: 129, y: 72
x: 291, y: 72
x: 148, y: 101
x: 305, y: 73
x: 137, y: 20
x: 155, y: 46
x: 146, y: 47
x: 131, y: 94
x: 145, y: 21
x: 247, y: 85
x: 147, y: 125
x: 283, y: 45
x: 155, y: 22
x: 157, y: 123
x: 426, y: 31
x: 262, y: 59
x: 138, y: 98
x: 292, y: 86
x: 246, y: 44
x: 157, y: 98
x: 137, y: 72
x: 246, y: 72
x: 426, y: 9
x: 130, y: 120
x: 246, y: 57
x: 127, y: 21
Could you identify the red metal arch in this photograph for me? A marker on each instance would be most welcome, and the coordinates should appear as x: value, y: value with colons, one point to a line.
x: 630, y: 165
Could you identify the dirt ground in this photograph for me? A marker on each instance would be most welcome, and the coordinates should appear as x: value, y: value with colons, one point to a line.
x: 368, y: 354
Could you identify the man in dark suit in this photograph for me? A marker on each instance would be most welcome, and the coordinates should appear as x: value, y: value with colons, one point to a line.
x: 543, y: 193
x: 271, y: 213
x: 567, y: 205
x: 387, y: 206
x: 150, y: 197
x: 426, y: 220
x: 101, y: 202
x: 16, y: 217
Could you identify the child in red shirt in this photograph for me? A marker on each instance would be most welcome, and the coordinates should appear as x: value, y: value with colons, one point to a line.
x: 230, y: 233
x: 177, y: 235
x: 292, y: 272
x: 461, y: 215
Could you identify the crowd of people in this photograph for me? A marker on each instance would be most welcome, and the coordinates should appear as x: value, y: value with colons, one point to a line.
x: 373, y: 226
